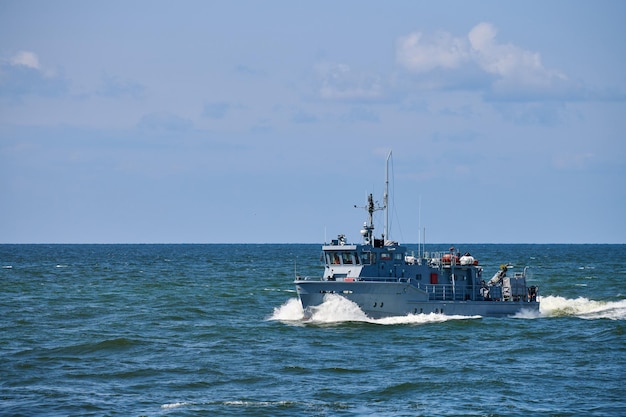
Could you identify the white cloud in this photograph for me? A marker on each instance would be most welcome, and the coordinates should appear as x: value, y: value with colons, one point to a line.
x: 482, y: 36
x: 22, y: 75
x: 514, y: 68
x: 26, y: 59
x: 511, y: 63
x: 420, y: 53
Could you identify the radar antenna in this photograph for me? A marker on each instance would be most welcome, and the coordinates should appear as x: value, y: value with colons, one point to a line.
x: 368, y: 227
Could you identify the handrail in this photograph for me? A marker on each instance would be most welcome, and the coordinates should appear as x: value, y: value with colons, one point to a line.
x: 446, y: 292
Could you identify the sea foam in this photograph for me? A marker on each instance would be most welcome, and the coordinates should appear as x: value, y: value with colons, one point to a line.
x: 554, y: 306
x: 338, y: 309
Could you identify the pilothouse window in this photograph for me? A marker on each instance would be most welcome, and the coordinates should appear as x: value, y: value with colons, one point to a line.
x: 368, y: 258
x: 342, y: 258
x: 349, y: 258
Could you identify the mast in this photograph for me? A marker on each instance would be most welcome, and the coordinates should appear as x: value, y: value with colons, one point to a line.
x: 368, y: 227
x: 386, y: 199
x: 419, y: 229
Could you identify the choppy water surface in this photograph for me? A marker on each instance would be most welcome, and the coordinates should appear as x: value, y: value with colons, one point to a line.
x: 185, y: 330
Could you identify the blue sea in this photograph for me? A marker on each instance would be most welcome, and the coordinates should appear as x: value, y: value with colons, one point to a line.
x: 198, y: 330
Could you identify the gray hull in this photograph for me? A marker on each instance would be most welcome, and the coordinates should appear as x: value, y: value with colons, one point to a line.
x: 385, y: 299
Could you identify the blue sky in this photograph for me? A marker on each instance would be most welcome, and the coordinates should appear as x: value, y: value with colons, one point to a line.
x: 222, y: 122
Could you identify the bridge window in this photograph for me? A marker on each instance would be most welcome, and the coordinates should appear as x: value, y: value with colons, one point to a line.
x: 368, y: 258
x: 350, y: 258
x: 347, y: 258
x: 342, y: 258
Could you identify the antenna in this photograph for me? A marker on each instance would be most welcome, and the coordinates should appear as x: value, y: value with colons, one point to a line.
x: 368, y: 228
x: 419, y: 229
x: 386, y: 198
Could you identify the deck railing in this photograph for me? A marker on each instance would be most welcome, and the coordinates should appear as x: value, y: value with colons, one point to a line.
x: 447, y: 292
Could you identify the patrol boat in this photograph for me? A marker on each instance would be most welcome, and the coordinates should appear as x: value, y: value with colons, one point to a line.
x: 384, y: 279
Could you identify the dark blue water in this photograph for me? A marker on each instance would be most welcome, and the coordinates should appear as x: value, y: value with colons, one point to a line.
x: 186, y: 330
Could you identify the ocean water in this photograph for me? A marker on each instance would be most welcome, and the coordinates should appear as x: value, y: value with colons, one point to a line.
x: 190, y: 330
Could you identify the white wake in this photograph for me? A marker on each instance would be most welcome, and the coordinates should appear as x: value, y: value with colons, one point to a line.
x: 338, y: 309
x: 555, y: 306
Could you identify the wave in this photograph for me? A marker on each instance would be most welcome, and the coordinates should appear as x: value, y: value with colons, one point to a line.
x: 338, y: 309
x: 268, y: 407
x: 95, y: 347
x: 176, y: 404
x: 555, y: 306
